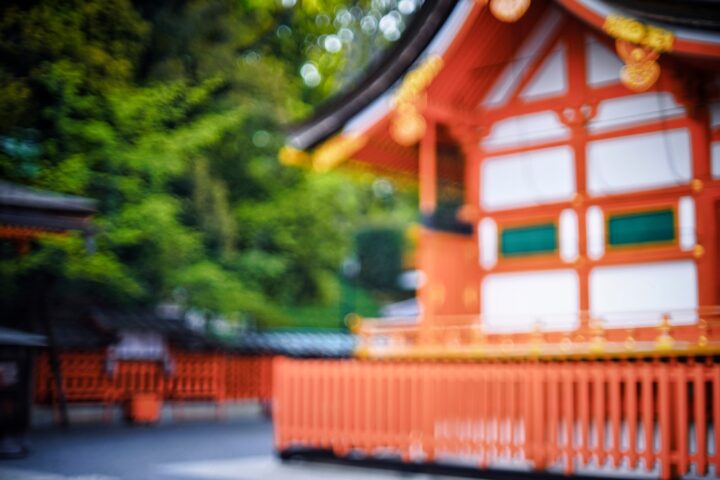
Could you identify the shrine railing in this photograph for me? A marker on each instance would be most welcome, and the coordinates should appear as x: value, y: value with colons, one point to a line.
x: 676, y: 333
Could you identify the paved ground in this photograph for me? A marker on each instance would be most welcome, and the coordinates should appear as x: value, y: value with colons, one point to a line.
x: 239, y: 448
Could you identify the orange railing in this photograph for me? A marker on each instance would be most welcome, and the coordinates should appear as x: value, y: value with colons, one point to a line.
x: 196, y: 376
x: 678, y: 333
x: 571, y: 415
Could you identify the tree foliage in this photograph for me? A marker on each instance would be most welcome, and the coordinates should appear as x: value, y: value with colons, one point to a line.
x: 170, y: 114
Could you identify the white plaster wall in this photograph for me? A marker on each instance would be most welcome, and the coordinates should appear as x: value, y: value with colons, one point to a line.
x: 639, y: 162
x: 509, y: 79
x: 525, y: 130
x: 568, y: 235
x: 595, y: 232
x: 603, y: 65
x: 639, y: 294
x: 518, y: 301
x: 551, y: 77
x: 715, y: 114
x: 635, y: 109
x: 488, y: 242
x: 715, y: 156
x: 536, y: 177
x: 686, y: 223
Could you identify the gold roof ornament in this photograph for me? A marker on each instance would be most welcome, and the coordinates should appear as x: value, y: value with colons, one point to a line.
x: 336, y: 150
x: 293, y: 157
x: 408, y: 125
x: 639, y: 46
x: 509, y: 11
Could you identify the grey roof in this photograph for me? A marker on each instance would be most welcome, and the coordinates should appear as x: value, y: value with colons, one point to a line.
x: 138, y: 320
x: 9, y: 336
x: 22, y: 196
x: 382, y: 74
x: 23, y: 206
x: 298, y: 344
x: 101, y: 328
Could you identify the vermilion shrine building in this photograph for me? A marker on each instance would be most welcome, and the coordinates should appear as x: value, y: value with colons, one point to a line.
x: 580, y: 140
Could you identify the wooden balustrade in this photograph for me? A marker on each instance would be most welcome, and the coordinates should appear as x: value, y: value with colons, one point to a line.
x: 196, y: 376
x: 572, y: 416
x: 464, y: 336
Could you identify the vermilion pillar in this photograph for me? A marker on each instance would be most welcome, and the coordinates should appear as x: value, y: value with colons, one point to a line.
x: 427, y: 169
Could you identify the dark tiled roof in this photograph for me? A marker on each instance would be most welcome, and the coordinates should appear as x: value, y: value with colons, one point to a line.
x: 173, y: 328
x: 138, y: 321
x: 26, y: 207
x: 382, y: 74
x: 693, y: 14
x: 73, y: 332
x: 297, y: 344
x: 22, y: 196
x: 101, y: 328
x: 9, y: 336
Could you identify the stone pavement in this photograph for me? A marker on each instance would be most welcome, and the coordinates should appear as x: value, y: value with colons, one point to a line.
x: 237, y: 448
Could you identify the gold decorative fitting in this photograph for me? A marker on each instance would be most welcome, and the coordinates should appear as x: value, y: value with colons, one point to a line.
x: 696, y: 185
x: 408, y: 125
x: 698, y: 251
x: 702, y: 333
x: 630, y: 30
x: 597, y: 342
x: 336, y: 150
x: 639, y: 46
x: 292, y: 156
x: 509, y: 10
x: 664, y: 340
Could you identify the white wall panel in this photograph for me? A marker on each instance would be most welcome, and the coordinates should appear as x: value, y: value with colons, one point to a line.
x: 639, y: 294
x: 568, y: 235
x: 715, y: 156
x: 525, y: 130
x: 488, y: 238
x: 518, y: 301
x: 639, y: 162
x: 509, y: 79
x: 551, y: 77
x: 529, y: 178
x: 686, y: 223
x: 595, y: 232
x: 603, y: 65
x: 715, y: 114
x: 635, y: 109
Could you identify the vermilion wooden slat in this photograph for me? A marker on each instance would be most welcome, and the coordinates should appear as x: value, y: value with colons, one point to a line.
x: 700, y: 420
x: 631, y: 413
x: 682, y: 419
x: 648, y: 415
x: 664, y: 420
x: 615, y: 413
x: 715, y: 376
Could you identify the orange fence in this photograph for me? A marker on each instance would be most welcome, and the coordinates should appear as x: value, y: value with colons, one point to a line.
x: 569, y: 415
x: 196, y: 376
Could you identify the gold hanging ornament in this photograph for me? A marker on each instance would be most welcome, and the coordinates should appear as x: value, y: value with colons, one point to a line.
x: 408, y: 125
x: 509, y: 10
x: 639, y: 46
x: 641, y: 70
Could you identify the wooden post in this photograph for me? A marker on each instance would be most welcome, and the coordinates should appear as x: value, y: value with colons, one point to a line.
x: 427, y: 169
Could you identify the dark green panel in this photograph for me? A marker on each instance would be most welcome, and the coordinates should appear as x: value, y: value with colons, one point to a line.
x: 641, y: 228
x: 528, y: 240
